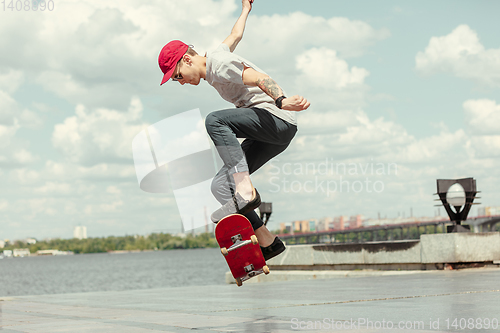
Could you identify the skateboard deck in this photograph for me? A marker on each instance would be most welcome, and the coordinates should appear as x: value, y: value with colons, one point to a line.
x: 240, y: 247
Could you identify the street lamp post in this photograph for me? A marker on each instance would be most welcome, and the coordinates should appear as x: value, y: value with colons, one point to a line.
x: 265, y: 210
x: 459, y: 194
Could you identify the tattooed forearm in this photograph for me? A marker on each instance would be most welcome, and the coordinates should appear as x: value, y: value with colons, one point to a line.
x: 270, y: 87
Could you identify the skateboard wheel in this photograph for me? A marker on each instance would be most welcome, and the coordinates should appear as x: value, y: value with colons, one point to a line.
x: 265, y: 269
x: 224, y: 251
x: 238, y: 282
x: 254, y: 239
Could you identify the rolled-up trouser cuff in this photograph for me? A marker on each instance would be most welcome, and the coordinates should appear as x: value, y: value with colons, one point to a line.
x: 242, y: 166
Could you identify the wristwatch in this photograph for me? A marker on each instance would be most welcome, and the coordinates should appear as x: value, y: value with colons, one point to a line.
x: 279, y: 100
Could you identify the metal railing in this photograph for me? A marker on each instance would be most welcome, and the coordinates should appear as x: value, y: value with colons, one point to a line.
x: 407, y: 231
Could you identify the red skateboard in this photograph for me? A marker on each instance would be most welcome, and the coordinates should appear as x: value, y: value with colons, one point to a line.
x: 240, y: 247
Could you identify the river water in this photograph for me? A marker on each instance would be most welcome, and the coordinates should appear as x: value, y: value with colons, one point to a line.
x: 111, y: 271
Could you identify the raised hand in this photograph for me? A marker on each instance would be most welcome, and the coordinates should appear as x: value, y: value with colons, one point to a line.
x: 295, y: 103
x: 247, y: 4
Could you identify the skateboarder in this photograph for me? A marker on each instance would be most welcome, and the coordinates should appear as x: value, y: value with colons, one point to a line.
x: 264, y: 116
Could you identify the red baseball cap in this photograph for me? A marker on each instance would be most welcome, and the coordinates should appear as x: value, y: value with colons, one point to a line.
x: 169, y: 56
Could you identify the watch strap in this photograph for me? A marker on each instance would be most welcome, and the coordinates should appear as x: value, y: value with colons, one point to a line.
x: 279, y: 101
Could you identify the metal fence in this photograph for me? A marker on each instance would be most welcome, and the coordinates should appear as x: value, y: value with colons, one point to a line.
x: 408, y: 231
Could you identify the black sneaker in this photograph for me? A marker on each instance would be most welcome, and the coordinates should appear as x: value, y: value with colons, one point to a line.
x: 244, y: 206
x: 274, y: 249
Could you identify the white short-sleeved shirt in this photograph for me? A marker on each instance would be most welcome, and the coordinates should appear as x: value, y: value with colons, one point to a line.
x: 224, y: 73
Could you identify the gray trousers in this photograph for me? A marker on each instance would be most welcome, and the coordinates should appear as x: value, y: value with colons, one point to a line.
x: 265, y: 135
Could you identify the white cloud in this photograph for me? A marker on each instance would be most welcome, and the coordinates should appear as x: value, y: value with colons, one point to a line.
x: 67, y: 171
x: 114, y: 47
x: 99, y: 136
x: 316, y: 47
x: 8, y: 109
x: 113, y: 190
x: 352, y: 137
x: 7, y: 133
x: 320, y: 67
x: 12, y: 118
x: 486, y: 146
x: 433, y: 149
x: 10, y: 80
x: 24, y: 157
x: 482, y: 116
x: 460, y: 53
x: 99, y: 53
x: 328, y: 82
x: 55, y: 188
x: 315, y: 122
x: 111, y: 207
x: 11, y: 113
x: 345, y: 135
x: 24, y: 176
x: 296, y: 32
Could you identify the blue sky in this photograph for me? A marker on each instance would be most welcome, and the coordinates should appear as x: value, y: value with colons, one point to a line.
x: 415, y: 84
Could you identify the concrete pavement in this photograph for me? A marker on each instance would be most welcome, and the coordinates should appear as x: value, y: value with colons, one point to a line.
x: 357, y: 304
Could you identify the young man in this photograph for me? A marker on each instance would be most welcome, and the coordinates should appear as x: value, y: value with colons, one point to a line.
x: 264, y: 116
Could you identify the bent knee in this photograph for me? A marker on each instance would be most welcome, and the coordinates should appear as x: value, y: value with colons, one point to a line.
x: 219, y: 191
x: 214, y: 187
x: 212, y: 121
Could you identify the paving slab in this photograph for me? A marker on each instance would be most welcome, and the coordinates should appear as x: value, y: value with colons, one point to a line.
x: 439, y: 301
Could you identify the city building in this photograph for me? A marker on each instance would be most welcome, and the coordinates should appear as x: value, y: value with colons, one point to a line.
x: 53, y: 253
x: 356, y: 221
x: 401, y: 220
x: 285, y: 228
x: 21, y: 252
x: 2, y: 244
x: 304, y: 225
x: 488, y: 211
x: 80, y: 232
x: 359, y: 221
x: 299, y: 226
x: 312, y: 225
x: 324, y: 223
x: 338, y: 223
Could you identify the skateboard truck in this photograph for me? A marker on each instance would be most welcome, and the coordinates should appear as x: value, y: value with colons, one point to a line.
x: 250, y: 272
x: 236, y: 238
x: 238, y: 242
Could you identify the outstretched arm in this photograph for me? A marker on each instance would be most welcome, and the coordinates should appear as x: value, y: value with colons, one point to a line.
x: 257, y: 79
x: 239, y: 27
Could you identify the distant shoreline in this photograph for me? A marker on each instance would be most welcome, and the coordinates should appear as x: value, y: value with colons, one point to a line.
x: 127, y: 244
x: 107, y: 252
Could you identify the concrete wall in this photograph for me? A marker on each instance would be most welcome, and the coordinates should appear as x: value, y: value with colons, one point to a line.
x: 460, y: 247
x: 430, y: 249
